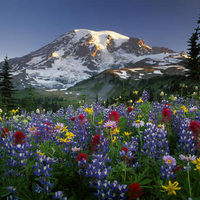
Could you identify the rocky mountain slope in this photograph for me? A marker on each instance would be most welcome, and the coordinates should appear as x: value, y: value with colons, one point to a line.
x: 80, y: 54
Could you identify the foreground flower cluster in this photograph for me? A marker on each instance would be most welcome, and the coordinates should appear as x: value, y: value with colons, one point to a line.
x: 142, y: 151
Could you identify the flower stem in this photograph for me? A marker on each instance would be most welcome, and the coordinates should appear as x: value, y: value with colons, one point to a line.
x: 125, y: 171
x: 141, y: 144
x: 188, y: 173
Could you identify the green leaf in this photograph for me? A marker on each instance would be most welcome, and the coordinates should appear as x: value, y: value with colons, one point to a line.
x: 25, y: 194
x: 74, y: 196
x: 90, y: 197
x: 4, y: 192
x: 36, y: 196
x: 145, y: 181
x: 54, y: 184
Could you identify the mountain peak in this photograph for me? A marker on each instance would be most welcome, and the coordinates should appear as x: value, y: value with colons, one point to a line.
x: 82, y: 53
x: 100, y: 37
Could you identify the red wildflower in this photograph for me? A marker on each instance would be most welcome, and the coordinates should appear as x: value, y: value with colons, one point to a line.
x: 82, y: 156
x: 81, y: 118
x: 135, y: 191
x: 114, y: 116
x: 198, y: 146
x: 125, y: 157
x: 49, y: 127
x: 129, y: 109
x: 48, y: 124
x: 178, y: 168
x: 95, y: 142
x: 73, y: 119
x: 125, y: 149
x: 19, y: 137
x: 194, y: 127
x: 166, y: 113
x: 5, y: 132
x: 89, y: 120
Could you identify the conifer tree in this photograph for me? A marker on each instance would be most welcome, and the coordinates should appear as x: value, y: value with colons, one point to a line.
x: 6, y: 87
x: 123, y: 95
x: 107, y: 103
x: 193, y: 60
x: 198, y: 22
x: 31, y: 102
x: 97, y: 97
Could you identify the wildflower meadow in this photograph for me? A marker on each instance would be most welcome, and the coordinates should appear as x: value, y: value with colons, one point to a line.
x: 144, y: 150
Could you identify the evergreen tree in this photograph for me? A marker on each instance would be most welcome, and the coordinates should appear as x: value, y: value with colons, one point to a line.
x: 123, y: 95
x: 6, y: 87
x: 198, y: 22
x: 107, y: 103
x: 193, y: 62
x: 31, y: 102
x: 97, y: 97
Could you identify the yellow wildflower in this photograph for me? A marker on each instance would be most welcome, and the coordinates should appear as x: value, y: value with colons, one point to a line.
x: 89, y: 110
x: 115, y: 131
x: 171, y: 188
x: 114, y: 139
x: 197, y: 168
x: 14, y: 111
x: 140, y: 100
x: 197, y: 161
x: 184, y: 109
x: 64, y: 129
x: 175, y: 111
x: 159, y: 126
x: 135, y: 92
x: 0, y: 118
x: 63, y: 140
x: 127, y: 133
x: 40, y: 153
x: 100, y: 122
x: 69, y: 135
x: 139, y: 116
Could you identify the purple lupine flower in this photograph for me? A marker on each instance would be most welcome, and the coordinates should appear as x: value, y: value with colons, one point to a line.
x: 155, y: 142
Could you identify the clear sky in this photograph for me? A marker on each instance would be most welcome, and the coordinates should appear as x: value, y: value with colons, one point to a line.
x: 27, y: 25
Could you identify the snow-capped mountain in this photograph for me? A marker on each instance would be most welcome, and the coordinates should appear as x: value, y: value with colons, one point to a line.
x: 82, y: 53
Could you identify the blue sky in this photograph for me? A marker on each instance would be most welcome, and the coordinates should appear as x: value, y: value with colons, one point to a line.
x: 27, y: 25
